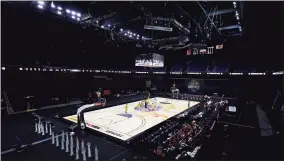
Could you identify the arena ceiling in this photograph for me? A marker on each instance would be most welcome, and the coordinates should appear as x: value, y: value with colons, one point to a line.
x: 192, y: 22
x: 187, y: 23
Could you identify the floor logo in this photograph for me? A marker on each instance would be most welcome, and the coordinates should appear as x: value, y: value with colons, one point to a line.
x: 193, y: 85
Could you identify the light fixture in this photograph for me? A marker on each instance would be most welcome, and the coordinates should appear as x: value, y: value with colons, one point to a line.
x: 125, y: 34
x: 73, y: 17
x: 59, y: 12
x: 3, y: 68
x: 97, y: 21
x: 78, y: 19
x: 40, y: 6
x: 134, y: 34
x: 121, y: 29
x: 73, y: 13
x: 20, y: 68
x: 40, y: 2
x: 59, y: 8
x: 137, y: 35
x: 234, y: 3
x: 79, y: 14
x: 52, y: 5
x: 67, y: 10
x: 102, y: 26
x: 130, y: 35
x: 128, y: 32
x: 108, y: 25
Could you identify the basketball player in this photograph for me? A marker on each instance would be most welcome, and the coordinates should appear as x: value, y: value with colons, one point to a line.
x: 188, y: 104
x: 126, y: 108
x: 153, y: 106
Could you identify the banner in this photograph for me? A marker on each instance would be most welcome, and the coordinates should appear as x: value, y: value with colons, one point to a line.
x: 195, y: 51
x: 188, y: 52
x: 202, y: 51
x: 210, y: 50
x: 219, y: 46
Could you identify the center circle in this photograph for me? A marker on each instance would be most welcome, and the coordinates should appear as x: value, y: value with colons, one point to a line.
x: 148, y: 108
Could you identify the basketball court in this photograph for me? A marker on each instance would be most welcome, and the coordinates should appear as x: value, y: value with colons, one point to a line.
x: 115, y: 122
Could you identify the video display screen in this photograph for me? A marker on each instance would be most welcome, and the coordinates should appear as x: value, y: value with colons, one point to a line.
x: 150, y: 60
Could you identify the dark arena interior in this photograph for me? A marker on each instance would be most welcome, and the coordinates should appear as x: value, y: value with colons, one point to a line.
x: 121, y: 81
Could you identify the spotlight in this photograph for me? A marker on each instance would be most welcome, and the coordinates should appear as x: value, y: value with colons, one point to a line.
x: 73, y: 13
x: 68, y: 11
x: 137, y: 35
x: 108, y: 25
x: 121, y: 29
x: 234, y: 3
x: 125, y: 34
x: 102, y: 26
x: 40, y: 2
x: 40, y: 6
x: 137, y: 38
x: 130, y: 35
x: 79, y: 14
x: 73, y: 17
x: 20, y: 68
x: 52, y: 5
x: 3, y: 68
x: 59, y: 8
x: 78, y: 19
x: 128, y: 32
x: 134, y: 34
x: 97, y: 21
x: 59, y: 12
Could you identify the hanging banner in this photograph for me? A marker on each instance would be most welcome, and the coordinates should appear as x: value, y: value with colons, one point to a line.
x: 195, y: 51
x: 188, y: 52
x: 219, y: 46
x: 210, y: 50
x: 202, y: 51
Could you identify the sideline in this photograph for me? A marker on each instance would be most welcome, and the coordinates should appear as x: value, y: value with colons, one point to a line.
x: 49, y: 107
